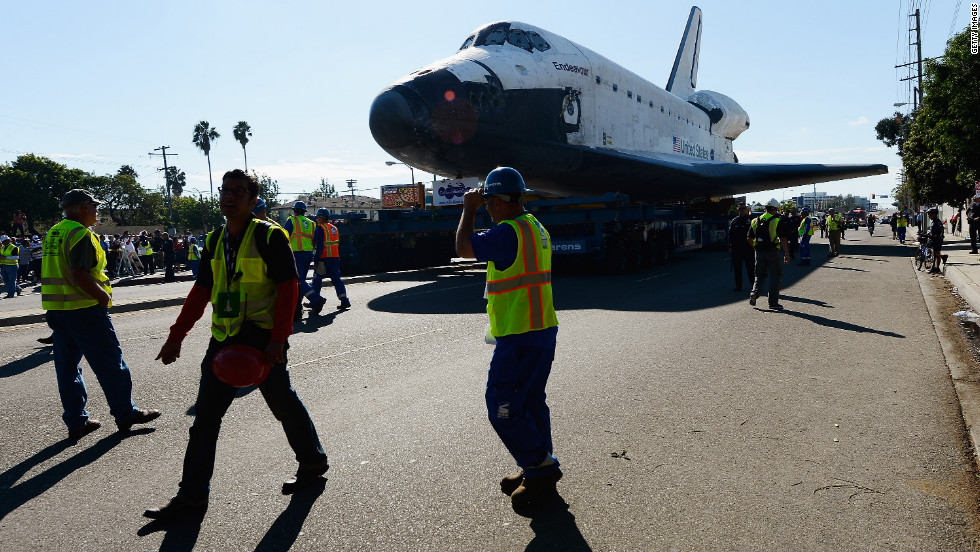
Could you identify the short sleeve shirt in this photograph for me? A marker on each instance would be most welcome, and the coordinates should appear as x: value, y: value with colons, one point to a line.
x: 498, y: 244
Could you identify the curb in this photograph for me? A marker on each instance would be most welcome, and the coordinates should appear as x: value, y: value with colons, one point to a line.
x: 36, y: 317
x: 965, y: 380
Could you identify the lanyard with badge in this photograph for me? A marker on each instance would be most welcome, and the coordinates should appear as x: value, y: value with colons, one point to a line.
x: 229, y: 302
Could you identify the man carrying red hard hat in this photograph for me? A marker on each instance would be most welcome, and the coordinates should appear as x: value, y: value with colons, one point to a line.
x: 248, y: 275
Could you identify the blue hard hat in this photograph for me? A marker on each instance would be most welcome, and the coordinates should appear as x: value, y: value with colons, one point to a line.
x: 259, y: 206
x: 805, y: 210
x: 299, y: 206
x: 192, y: 239
x: 323, y: 212
x: 503, y: 180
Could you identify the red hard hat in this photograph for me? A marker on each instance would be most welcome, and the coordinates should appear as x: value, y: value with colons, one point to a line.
x: 240, y: 366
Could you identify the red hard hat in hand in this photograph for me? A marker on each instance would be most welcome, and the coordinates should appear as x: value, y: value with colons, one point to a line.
x: 240, y: 366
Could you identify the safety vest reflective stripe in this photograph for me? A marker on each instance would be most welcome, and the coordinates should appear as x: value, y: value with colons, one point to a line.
x: 59, y: 291
x: 517, y: 282
x: 834, y: 222
x: 519, y: 299
x: 193, y: 253
x: 9, y: 257
x: 902, y: 222
x: 331, y: 241
x: 301, y: 239
x: 806, y: 228
x: 256, y: 291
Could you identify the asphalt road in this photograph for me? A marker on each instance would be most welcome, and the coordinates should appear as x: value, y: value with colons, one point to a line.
x: 830, y: 426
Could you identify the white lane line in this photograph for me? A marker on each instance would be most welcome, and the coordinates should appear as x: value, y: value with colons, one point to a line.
x: 652, y: 277
x: 366, y: 347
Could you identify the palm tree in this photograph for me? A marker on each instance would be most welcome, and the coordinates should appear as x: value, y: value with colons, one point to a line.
x: 242, y: 131
x: 203, y: 136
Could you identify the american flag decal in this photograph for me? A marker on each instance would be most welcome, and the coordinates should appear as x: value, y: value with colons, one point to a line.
x: 677, y: 145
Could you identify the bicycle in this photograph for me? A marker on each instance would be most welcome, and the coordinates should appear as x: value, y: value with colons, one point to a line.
x: 925, y: 255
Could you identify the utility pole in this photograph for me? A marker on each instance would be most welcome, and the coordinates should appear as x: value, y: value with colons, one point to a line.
x: 350, y: 184
x: 917, y: 93
x: 166, y: 176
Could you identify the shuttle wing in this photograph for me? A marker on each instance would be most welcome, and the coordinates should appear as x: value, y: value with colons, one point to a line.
x: 660, y: 177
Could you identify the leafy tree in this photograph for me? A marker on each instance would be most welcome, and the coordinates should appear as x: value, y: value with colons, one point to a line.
x: 35, y: 185
x: 893, y: 130
x: 268, y: 188
x: 203, y: 136
x: 177, y: 180
x: 325, y: 190
x: 125, y: 202
x: 126, y: 169
x: 242, y: 131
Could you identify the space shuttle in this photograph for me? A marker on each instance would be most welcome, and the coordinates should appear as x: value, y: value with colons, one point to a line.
x: 576, y: 124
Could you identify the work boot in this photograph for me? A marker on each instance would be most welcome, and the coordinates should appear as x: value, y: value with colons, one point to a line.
x: 139, y: 417
x: 179, y: 507
x: 90, y: 425
x: 510, y: 483
x: 344, y: 305
x: 305, y: 476
x: 316, y: 308
x: 533, y: 489
x: 752, y: 298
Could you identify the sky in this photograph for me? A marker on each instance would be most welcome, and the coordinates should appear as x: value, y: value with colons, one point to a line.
x: 96, y: 85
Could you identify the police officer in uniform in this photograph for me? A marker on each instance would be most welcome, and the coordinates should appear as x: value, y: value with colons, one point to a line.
x: 326, y: 240
x: 524, y: 326
x: 300, y: 230
x: 76, y: 295
x: 739, y: 249
x: 767, y: 235
x: 249, y: 277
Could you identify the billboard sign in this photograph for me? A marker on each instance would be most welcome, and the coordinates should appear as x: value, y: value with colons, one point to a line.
x: 399, y: 197
x: 450, y: 191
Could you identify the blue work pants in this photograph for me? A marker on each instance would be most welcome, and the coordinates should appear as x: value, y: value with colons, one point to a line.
x: 89, y: 332
x: 10, y: 279
x: 303, y: 260
x: 516, y: 404
x: 901, y: 234
x: 213, y: 399
x: 805, y: 249
x: 331, y: 269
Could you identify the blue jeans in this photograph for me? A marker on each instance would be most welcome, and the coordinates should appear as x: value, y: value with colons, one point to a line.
x: 901, y: 234
x: 10, y: 279
x: 213, y: 399
x: 194, y: 265
x: 805, y: 249
x: 89, y: 332
x: 332, y: 266
x: 515, y: 398
x: 303, y: 260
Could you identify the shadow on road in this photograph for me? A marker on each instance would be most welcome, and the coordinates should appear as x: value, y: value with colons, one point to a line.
x: 31, y: 361
x: 283, y: 533
x: 555, y: 529
x: 14, y: 496
x: 181, y: 535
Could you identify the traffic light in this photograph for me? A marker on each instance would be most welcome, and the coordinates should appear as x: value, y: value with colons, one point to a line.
x: 872, y: 196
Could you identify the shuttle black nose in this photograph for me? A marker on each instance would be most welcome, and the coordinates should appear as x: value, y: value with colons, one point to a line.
x: 391, y: 120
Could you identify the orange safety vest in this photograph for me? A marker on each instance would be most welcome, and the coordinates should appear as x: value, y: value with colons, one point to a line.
x: 331, y: 241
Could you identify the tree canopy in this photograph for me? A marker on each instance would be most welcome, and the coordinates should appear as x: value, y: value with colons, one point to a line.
x: 940, y: 143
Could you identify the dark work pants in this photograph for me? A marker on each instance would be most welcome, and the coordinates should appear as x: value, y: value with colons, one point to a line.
x: 768, y: 264
x: 974, y: 230
x: 213, y: 399
x: 746, y: 256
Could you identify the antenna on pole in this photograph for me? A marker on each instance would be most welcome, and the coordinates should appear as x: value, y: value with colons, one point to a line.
x: 166, y: 176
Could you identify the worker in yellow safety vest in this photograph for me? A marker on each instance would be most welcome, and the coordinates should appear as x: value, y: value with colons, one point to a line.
x: 76, y: 294
x: 326, y: 241
x: 248, y: 277
x: 9, y: 259
x: 300, y: 230
x: 901, y: 226
x: 767, y: 234
x: 523, y: 327
x: 835, y: 226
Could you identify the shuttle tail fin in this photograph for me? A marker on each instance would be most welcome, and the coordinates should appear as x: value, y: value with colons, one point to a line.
x: 684, y: 76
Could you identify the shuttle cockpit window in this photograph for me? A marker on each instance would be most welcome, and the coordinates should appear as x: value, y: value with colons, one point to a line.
x: 495, y: 37
x: 468, y: 42
x: 519, y: 38
x: 539, y: 42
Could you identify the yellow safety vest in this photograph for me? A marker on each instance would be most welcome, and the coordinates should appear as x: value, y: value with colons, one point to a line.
x: 193, y: 252
x: 835, y: 222
x: 773, y: 238
x: 256, y: 291
x: 10, y: 255
x: 301, y: 238
x: 902, y: 222
x: 331, y: 241
x: 519, y: 299
x: 59, y: 290
x: 806, y: 229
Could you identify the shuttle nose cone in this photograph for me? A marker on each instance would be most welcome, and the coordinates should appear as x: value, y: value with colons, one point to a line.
x: 391, y: 120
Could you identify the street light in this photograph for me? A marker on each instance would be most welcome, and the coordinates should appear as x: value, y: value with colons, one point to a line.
x: 390, y: 163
